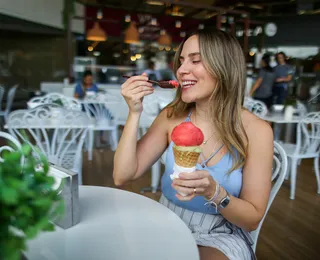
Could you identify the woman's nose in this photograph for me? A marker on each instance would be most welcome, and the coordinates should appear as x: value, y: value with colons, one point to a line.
x: 183, y: 69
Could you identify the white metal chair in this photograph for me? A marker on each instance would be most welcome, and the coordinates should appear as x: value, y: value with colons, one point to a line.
x: 11, y: 144
x: 56, y: 98
x: 58, y: 133
x: 9, y: 101
x: 301, y: 109
x: 1, y: 96
x: 105, y: 119
x: 256, y: 107
x: 307, y: 146
x: 280, y: 164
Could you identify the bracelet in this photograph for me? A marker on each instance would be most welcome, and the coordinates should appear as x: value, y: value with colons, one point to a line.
x: 216, y: 193
x: 211, y: 201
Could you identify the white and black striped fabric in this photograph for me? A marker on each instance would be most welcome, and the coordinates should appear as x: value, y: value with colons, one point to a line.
x: 215, y: 231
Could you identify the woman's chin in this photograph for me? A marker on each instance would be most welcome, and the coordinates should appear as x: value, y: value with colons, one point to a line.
x: 187, y: 98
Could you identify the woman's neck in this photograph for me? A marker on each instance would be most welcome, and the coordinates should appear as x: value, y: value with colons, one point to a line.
x: 202, y: 111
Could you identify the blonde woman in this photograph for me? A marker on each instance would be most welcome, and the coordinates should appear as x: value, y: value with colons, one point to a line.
x: 228, y: 194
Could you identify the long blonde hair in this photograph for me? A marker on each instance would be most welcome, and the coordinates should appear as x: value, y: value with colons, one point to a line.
x: 223, y: 58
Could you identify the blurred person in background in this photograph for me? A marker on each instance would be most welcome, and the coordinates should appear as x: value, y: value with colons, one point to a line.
x: 85, y: 86
x: 151, y: 72
x: 283, y: 73
x: 262, y: 89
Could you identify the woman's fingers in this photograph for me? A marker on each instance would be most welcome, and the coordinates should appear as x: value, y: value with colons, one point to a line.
x: 188, y: 190
x: 141, y: 94
x: 141, y: 88
x: 204, y: 183
x: 135, y: 78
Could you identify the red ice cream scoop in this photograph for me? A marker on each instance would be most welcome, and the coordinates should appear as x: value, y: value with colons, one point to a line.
x: 187, y: 134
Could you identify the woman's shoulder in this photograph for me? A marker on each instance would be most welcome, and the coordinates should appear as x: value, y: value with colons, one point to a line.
x: 255, y: 127
x: 171, y: 119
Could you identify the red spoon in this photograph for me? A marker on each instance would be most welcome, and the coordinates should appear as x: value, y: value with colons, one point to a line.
x: 163, y: 83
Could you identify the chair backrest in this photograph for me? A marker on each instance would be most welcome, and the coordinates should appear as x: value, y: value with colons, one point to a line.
x: 10, y: 98
x: 279, y: 169
x: 301, y: 108
x: 8, y: 144
x: 59, y: 133
x: 59, y: 99
x: 150, y: 111
x: 1, y: 96
x: 256, y: 107
x: 100, y: 110
x: 308, y: 135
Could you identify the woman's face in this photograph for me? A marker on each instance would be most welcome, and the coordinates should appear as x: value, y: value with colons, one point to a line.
x: 197, y: 84
x: 87, y: 81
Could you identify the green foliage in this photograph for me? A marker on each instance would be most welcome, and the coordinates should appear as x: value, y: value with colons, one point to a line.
x: 58, y: 102
x: 27, y: 200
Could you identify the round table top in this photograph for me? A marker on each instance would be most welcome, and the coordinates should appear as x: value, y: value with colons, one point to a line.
x: 117, y: 224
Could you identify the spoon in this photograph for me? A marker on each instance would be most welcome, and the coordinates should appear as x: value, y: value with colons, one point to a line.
x: 163, y: 83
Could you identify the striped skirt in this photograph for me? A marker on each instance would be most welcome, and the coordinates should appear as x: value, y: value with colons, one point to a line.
x: 215, y: 231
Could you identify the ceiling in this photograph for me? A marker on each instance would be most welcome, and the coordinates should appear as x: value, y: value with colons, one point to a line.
x: 205, y: 9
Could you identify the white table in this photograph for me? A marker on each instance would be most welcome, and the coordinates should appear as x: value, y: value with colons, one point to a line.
x: 117, y: 224
x: 278, y: 118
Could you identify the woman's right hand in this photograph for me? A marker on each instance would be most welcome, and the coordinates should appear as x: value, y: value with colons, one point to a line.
x: 133, y: 91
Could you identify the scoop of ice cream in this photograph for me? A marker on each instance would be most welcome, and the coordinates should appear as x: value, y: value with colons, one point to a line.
x: 187, y: 134
x: 174, y: 83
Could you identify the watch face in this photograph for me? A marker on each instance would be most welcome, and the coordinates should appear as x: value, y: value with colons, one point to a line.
x: 225, y: 202
x: 270, y: 29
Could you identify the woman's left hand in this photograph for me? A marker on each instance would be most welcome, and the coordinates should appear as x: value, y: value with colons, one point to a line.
x: 197, y: 183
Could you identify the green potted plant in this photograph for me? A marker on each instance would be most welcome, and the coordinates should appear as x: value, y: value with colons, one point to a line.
x: 28, y: 201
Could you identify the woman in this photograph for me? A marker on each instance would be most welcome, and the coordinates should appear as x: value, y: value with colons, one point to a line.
x: 262, y: 89
x: 86, y: 85
x: 210, y: 67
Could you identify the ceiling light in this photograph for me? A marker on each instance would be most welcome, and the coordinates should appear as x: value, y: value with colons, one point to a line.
x: 133, y: 58
x: 99, y: 14
x: 153, y: 21
x: 127, y: 18
x: 178, y: 24
x: 150, y: 2
x: 96, y: 53
x: 132, y: 35
x: 164, y: 40
x: 96, y: 33
x: 176, y: 11
x: 138, y: 56
x: 201, y: 26
x: 90, y: 48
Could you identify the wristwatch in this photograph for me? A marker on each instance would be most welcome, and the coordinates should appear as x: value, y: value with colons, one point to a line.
x: 224, y: 202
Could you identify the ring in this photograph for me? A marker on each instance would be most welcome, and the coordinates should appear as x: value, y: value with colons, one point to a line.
x: 194, y: 190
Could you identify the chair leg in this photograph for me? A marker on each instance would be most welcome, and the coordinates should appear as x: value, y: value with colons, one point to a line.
x: 90, y: 144
x: 316, y: 170
x: 114, y: 139
x: 288, y: 169
x: 293, y: 176
x: 155, y: 176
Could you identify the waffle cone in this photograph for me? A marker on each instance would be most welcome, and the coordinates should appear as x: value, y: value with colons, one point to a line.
x: 186, y: 158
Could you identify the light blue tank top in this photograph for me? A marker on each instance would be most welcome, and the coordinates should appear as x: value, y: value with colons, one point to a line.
x: 232, y: 182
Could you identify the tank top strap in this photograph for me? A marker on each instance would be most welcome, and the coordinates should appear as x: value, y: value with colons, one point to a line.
x: 188, y: 119
x: 204, y: 162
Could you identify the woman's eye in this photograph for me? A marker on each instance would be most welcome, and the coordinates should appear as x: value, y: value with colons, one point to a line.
x: 195, y: 61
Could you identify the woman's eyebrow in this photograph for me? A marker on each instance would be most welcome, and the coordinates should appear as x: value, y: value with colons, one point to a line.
x: 192, y: 54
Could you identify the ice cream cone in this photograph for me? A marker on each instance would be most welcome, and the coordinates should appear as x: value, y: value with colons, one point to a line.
x: 186, y: 156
